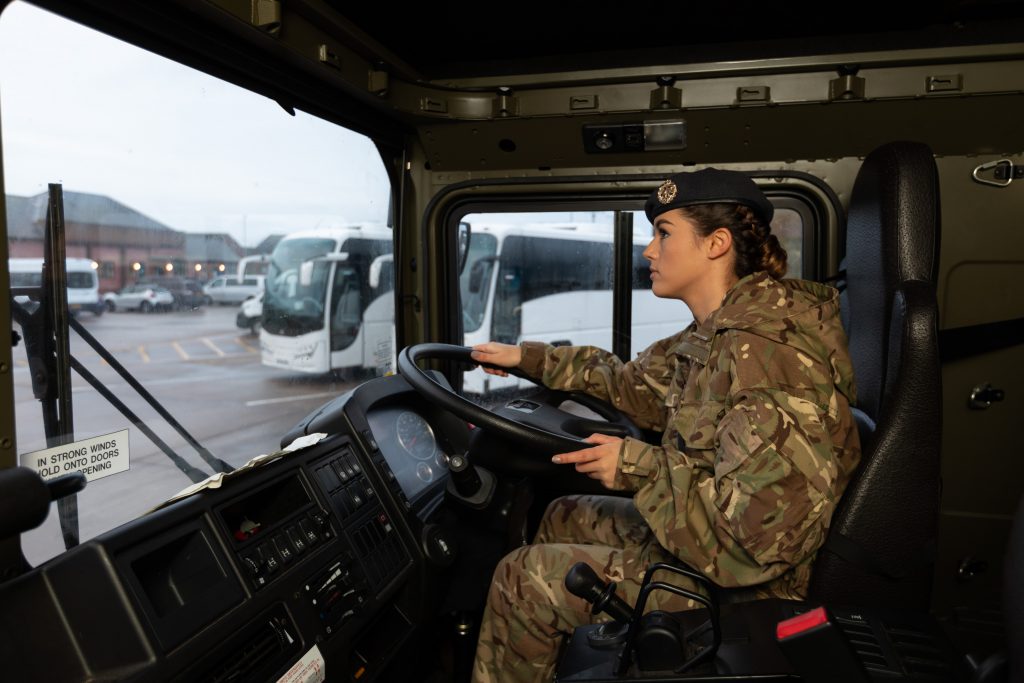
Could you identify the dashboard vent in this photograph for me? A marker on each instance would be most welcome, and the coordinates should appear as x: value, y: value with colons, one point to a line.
x: 255, y: 654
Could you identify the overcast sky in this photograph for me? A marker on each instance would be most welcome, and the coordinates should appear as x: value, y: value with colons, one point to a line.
x: 195, y: 153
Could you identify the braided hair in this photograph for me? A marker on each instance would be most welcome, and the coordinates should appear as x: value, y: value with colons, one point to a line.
x: 755, y: 246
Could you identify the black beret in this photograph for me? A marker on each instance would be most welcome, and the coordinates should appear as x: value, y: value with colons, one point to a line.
x: 708, y: 186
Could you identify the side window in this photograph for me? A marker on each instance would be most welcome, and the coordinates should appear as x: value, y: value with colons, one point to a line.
x: 788, y: 226
x: 548, y: 277
x: 535, y: 276
x: 163, y: 135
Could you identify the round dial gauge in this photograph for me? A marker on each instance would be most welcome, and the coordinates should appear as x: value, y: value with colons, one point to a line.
x: 415, y: 436
x: 424, y: 472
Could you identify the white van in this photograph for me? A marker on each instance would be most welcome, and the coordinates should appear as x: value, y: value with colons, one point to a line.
x: 83, y: 281
x: 231, y: 290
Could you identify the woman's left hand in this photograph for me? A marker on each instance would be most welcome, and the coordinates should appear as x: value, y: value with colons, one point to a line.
x: 600, y: 462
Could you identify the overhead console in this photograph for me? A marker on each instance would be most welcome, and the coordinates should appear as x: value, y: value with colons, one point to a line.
x: 318, y: 553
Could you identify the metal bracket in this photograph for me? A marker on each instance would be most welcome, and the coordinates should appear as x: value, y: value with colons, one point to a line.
x: 1005, y: 172
x: 505, y: 103
x: 849, y: 86
x: 666, y: 95
x: 266, y: 15
x: 983, y: 396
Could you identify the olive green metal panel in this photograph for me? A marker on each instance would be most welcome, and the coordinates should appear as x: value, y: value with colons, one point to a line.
x: 980, y: 276
x: 955, y: 125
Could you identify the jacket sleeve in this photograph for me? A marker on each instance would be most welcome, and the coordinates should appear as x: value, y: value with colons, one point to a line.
x: 764, y: 505
x: 637, y: 388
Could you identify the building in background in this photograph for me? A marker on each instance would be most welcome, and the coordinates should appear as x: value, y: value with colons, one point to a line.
x: 127, y: 245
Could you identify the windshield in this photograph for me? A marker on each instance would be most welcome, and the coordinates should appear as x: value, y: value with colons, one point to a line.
x: 81, y: 280
x: 475, y: 280
x: 172, y: 178
x: 292, y: 303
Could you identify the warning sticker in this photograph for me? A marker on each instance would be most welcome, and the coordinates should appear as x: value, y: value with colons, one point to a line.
x: 309, y: 669
x: 96, y: 458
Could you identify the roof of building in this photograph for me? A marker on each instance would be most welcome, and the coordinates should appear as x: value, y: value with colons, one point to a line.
x: 19, y: 219
x: 26, y: 216
x: 97, y: 209
x: 216, y: 246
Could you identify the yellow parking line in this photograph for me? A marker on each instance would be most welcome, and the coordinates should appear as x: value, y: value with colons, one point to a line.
x: 245, y: 345
x: 213, y: 346
x: 181, y: 352
x: 143, y: 354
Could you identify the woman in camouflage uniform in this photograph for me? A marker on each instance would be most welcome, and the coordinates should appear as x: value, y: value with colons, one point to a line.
x: 758, y: 440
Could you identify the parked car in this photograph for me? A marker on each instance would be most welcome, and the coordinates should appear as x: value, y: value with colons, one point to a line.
x: 231, y: 290
x: 250, y: 315
x: 139, y: 297
x: 188, y: 293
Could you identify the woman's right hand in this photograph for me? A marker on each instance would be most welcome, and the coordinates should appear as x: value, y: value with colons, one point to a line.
x: 494, y: 353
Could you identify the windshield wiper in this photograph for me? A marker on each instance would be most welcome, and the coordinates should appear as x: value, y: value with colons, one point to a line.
x: 209, y: 458
x: 47, y: 345
x: 32, y: 327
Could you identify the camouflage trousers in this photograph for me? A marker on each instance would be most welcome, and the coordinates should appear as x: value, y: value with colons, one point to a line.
x: 528, y: 608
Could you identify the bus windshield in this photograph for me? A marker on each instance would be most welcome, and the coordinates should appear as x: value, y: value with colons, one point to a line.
x: 291, y: 304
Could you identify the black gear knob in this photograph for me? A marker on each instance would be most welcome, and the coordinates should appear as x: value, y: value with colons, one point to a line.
x: 584, y: 583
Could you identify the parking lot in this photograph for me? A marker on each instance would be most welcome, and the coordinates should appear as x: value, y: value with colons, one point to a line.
x: 204, y: 370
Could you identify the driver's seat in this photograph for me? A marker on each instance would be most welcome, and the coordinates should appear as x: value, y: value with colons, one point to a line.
x: 881, y: 542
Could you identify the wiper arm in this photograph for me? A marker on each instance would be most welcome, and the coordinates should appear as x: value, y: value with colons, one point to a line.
x: 210, y: 459
x: 25, y: 319
x: 193, y: 473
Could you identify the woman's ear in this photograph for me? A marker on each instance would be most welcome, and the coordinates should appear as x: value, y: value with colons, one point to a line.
x: 718, y: 243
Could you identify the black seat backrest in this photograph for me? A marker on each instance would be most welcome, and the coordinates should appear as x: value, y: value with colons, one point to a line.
x: 892, y: 235
x: 881, y: 540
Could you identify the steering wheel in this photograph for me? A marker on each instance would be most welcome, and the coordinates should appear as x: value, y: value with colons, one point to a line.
x: 541, y: 428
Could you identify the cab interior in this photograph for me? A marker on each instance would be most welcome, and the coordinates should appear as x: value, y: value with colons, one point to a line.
x: 892, y: 134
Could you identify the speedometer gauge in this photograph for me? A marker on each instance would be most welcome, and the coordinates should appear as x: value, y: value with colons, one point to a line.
x: 415, y: 436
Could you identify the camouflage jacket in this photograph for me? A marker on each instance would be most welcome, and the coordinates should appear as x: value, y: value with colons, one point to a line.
x: 759, y: 441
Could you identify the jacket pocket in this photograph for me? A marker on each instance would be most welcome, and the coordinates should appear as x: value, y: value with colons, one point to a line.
x: 694, y: 427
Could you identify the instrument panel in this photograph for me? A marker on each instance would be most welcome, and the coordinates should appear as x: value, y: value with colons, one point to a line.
x: 317, y: 553
x: 411, y: 449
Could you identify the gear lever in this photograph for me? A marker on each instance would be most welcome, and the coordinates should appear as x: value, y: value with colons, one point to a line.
x: 584, y: 583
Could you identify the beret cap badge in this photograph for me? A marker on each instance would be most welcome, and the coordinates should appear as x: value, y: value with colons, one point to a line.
x: 667, y: 192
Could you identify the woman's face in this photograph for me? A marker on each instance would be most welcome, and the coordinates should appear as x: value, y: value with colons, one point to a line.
x: 677, y: 255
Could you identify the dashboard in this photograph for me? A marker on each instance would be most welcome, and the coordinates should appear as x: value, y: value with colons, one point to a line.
x: 327, y: 553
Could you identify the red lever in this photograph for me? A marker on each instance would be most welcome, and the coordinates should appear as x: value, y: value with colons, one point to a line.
x: 801, y: 623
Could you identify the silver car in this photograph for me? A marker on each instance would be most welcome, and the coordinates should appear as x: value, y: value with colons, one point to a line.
x: 139, y: 297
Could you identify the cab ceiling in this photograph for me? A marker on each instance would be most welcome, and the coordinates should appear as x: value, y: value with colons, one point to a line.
x: 458, y: 40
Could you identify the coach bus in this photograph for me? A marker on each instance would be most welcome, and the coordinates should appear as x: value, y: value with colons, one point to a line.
x: 320, y: 309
